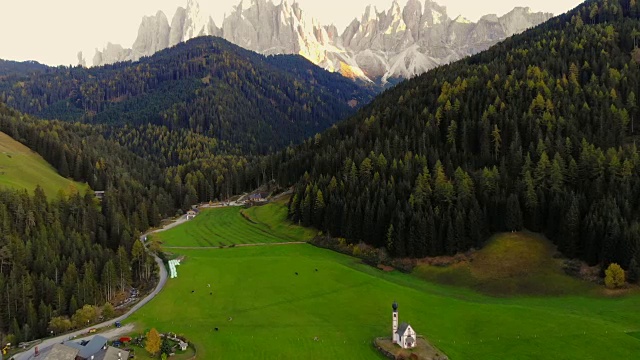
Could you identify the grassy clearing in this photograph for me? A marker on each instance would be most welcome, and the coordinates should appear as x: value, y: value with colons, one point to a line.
x: 21, y: 168
x: 510, y: 264
x: 227, y: 226
x: 276, y: 314
x: 274, y: 218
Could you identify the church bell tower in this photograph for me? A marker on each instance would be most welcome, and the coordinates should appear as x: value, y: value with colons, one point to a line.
x: 395, y: 323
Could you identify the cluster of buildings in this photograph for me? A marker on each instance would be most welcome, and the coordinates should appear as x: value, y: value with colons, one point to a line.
x: 95, y: 349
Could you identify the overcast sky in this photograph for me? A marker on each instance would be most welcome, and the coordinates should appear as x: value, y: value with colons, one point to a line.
x: 53, y: 31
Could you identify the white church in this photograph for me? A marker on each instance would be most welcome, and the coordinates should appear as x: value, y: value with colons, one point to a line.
x: 404, y: 335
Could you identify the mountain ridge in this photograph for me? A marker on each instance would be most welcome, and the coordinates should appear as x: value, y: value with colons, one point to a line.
x: 400, y: 42
x: 247, y: 101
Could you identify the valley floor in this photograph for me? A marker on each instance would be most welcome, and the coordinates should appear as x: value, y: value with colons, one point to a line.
x: 264, y: 310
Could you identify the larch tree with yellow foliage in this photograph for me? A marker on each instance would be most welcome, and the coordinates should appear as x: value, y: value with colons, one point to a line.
x: 152, y: 345
x: 614, y: 276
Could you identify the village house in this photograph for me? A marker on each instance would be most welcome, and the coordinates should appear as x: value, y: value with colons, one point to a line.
x: 183, y: 345
x: 99, y: 195
x: 191, y: 214
x: 403, y: 335
x: 258, y: 197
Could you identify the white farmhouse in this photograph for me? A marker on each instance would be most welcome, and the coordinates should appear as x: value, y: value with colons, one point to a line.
x: 191, y: 214
x: 403, y: 335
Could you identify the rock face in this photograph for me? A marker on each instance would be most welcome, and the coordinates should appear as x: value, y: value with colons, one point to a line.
x: 153, y: 35
x: 81, y: 61
x: 113, y: 53
x: 400, y: 42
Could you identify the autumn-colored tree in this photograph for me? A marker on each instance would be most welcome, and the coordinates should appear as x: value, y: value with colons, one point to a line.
x: 614, y: 276
x: 153, y: 342
x: 107, y: 310
x: 59, y: 324
x: 84, y: 316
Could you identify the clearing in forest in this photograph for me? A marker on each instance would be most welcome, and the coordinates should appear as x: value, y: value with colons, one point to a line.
x: 22, y: 168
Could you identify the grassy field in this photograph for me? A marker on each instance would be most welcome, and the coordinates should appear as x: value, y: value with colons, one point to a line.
x: 273, y: 218
x: 21, y: 168
x: 510, y: 264
x: 227, y: 226
x: 276, y: 314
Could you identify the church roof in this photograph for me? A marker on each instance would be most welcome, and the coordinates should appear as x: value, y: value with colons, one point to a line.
x: 402, y: 328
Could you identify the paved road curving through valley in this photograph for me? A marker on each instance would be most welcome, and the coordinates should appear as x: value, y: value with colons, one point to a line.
x: 47, y: 343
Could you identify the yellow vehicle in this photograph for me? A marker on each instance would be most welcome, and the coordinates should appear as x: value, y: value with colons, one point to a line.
x: 91, y: 331
x: 6, y: 348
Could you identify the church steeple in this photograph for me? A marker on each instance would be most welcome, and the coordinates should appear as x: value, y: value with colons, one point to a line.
x: 394, y: 326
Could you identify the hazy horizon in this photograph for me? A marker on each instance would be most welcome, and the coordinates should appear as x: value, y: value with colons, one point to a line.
x: 55, y: 32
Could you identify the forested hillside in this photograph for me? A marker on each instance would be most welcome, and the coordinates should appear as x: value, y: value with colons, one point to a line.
x: 537, y: 132
x: 8, y: 67
x: 60, y: 253
x: 246, y: 101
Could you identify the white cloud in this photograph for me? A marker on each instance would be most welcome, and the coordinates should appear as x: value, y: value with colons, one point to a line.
x: 52, y: 32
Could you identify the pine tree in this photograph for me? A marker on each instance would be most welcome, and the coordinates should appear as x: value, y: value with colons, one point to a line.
x: 497, y: 141
x: 634, y: 271
x: 63, y: 165
x: 390, y: 239
x: 123, y: 266
x: 631, y: 107
x: 513, y: 218
x: 318, y: 210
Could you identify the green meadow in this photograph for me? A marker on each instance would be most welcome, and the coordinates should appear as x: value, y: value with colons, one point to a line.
x: 227, y: 226
x: 21, y: 168
x: 276, y: 314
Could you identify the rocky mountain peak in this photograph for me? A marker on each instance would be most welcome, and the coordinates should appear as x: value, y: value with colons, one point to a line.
x: 379, y: 45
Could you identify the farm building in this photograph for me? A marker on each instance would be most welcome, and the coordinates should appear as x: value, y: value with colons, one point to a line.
x: 258, y: 197
x: 403, y: 335
x: 183, y: 345
x: 191, y: 214
x: 95, y: 349
x: 112, y: 353
x: 91, y: 348
x: 61, y: 352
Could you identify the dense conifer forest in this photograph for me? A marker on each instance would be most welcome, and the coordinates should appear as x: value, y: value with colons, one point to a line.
x: 58, y: 254
x: 538, y: 132
x: 207, y: 85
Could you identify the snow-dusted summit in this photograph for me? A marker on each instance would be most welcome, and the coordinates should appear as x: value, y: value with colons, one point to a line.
x: 399, y: 42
